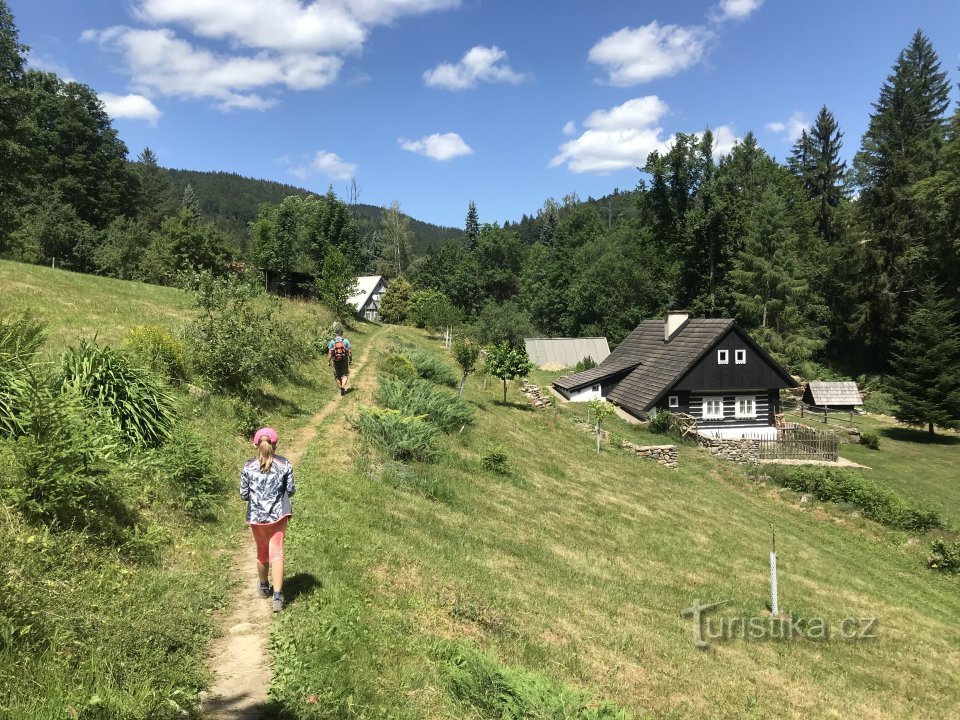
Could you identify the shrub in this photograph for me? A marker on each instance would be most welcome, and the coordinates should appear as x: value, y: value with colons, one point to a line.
x: 20, y: 338
x: 492, y: 690
x: 659, y: 422
x: 249, y: 417
x: 876, y: 502
x: 134, y: 398
x: 413, y: 396
x: 585, y: 364
x: 159, y: 350
x: 432, y: 367
x: 397, y: 365
x: 403, y: 437
x: 945, y: 556
x: 871, y: 440
x: 187, y: 468
x: 496, y: 460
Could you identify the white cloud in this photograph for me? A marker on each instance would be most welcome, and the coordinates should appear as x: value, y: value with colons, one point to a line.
x: 792, y: 128
x: 734, y: 9
x: 273, y: 45
x: 623, y: 136
x: 638, y: 55
x: 325, y: 163
x: 45, y: 63
x: 570, y: 128
x: 437, y: 146
x: 479, y: 64
x: 130, y: 107
x: 617, y: 138
x: 160, y: 63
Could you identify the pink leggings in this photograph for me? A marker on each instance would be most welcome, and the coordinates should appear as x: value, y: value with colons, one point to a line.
x: 269, y: 540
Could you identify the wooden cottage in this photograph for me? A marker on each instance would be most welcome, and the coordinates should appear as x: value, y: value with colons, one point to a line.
x: 710, y: 369
x: 832, y: 395
x: 366, y: 299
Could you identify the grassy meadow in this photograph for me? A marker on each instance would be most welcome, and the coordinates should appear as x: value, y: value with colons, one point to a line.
x: 576, y: 567
x: 447, y: 590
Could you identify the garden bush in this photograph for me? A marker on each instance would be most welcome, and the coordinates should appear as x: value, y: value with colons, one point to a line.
x: 432, y: 367
x: 397, y: 365
x: 187, y: 469
x: 945, y: 556
x: 159, y: 349
x: 413, y: 396
x: 585, y: 364
x: 402, y: 437
x: 659, y: 422
x: 870, y: 440
x: 840, y: 486
x: 132, y: 397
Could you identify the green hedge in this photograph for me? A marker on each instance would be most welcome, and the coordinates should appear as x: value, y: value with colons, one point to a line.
x: 875, y: 501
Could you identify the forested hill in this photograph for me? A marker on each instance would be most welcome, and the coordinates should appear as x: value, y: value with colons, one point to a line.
x: 232, y: 201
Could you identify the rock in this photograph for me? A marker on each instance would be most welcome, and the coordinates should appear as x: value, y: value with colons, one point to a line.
x: 804, y: 498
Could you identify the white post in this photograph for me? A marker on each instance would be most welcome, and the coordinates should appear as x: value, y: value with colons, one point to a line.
x: 774, y: 604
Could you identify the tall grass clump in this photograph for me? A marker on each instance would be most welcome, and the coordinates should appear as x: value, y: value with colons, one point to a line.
x: 432, y: 367
x: 132, y: 397
x: 412, y: 396
x: 875, y: 501
x: 20, y: 338
x: 488, y: 689
x: 159, y: 350
x: 402, y: 437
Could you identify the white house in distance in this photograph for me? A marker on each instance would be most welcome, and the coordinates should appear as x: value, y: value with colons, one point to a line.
x: 366, y: 300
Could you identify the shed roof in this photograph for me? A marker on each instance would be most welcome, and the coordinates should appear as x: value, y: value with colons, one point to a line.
x: 834, y: 393
x: 366, y: 284
x: 566, y: 351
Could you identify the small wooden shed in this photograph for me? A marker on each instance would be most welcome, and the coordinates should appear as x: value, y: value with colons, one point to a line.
x: 832, y: 395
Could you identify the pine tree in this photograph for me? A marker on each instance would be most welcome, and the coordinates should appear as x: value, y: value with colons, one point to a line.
x: 900, y: 148
x: 926, y: 377
x: 158, y: 198
x: 472, y: 228
x: 190, y: 204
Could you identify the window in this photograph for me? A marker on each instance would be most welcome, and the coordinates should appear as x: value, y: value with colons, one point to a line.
x: 740, y: 357
x: 746, y: 406
x: 673, y: 401
x: 723, y: 357
x: 713, y: 408
x: 595, y: 388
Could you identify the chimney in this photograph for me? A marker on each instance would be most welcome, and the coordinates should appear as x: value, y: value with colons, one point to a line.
x: 672, y: 320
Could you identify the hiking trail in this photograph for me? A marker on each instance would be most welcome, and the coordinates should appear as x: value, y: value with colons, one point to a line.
x: 239, y: 656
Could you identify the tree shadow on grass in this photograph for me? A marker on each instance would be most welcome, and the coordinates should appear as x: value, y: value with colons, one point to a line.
x: 300, y: 585
x: 915, y: 435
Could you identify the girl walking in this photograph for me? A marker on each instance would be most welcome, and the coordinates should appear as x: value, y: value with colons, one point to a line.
x: 266, y: 483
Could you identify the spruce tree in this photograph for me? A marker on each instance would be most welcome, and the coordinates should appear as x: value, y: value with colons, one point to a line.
x: 926, y: 377
x: 900, y: 148
x: 825, y: 172
x: 472, y: 228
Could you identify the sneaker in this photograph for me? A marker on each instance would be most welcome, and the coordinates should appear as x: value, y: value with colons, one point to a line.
x: 277, y: 602
x: 343, y: 391
x: 263, y: 590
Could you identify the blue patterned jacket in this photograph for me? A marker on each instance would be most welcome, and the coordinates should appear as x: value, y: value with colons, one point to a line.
x: 267, y: 494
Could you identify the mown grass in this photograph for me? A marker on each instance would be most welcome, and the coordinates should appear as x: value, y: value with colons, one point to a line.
x: 576, y: 568
x: 100, y: 636
x: 907, y: 461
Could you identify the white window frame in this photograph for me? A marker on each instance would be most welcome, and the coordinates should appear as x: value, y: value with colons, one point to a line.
x: 723, y: 357
x: 751, y: 413
x: 673, y: 401
x: 712, y: 415
x: 740, y: 357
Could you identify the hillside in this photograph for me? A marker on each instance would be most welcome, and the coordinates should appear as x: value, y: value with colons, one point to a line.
x: 232, y: 202
x: 436, y: 590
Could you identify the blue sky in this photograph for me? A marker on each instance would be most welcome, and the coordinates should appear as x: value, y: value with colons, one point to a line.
x: 434, y: 103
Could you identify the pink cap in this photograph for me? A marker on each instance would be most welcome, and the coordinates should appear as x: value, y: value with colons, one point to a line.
x: 268, y: 433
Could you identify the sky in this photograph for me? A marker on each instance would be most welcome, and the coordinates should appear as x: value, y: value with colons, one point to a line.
x: 437, y: 103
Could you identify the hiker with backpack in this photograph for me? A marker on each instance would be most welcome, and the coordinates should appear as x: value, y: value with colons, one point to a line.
x: 266, y: 483
x: 339, y: 355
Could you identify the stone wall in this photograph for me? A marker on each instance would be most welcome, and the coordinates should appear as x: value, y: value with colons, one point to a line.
x: 666, y: 455
x: 738, y: 450
x: 540, y: 398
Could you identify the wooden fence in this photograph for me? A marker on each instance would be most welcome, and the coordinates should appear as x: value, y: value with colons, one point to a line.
x: 798, y: 442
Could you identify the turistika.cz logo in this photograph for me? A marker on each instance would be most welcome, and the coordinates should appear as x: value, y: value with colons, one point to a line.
x: 720, y: 628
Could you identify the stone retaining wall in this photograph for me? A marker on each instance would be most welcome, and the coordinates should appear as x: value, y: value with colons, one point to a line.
x: 666, y: 455
x: 738, y: 450
x: 538, y: 397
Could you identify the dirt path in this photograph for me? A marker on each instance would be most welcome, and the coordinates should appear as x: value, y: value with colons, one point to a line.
x: 239, y: 656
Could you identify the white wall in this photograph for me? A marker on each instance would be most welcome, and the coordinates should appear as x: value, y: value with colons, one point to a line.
x: 586, y: 393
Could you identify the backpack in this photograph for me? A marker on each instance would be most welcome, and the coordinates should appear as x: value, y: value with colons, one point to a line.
x: 339, y: 350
